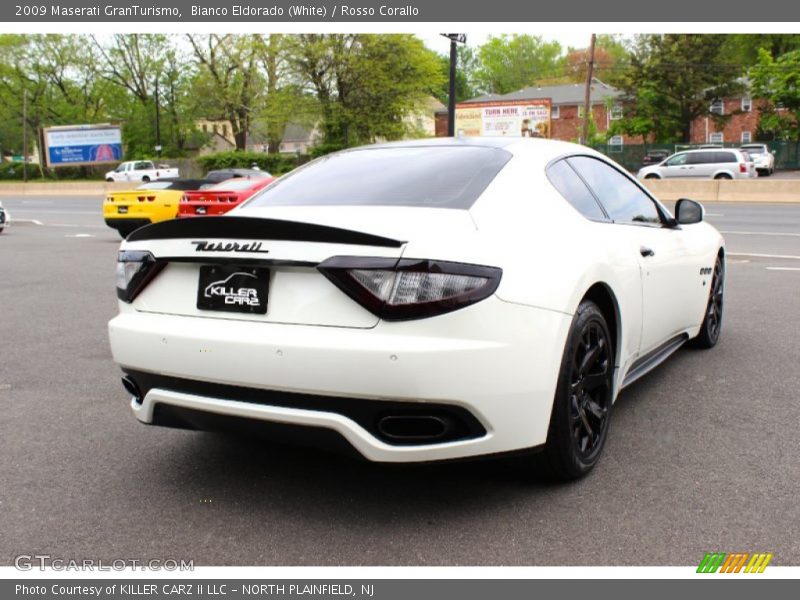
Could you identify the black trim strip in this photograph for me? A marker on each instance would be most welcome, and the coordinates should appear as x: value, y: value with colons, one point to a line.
x: 367, y: 413
x: 254, y: 228
x: 244, y: 261
x: 644, y: 364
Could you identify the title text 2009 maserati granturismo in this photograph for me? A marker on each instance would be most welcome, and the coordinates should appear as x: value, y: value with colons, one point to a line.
x: 424, y: 300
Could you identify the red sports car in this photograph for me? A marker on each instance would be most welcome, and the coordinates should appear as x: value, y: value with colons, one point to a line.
x: 222, y: 197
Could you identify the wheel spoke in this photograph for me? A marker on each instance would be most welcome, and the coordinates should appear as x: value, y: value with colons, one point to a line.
x: 591, y: 357
x: 598, y: 411
x: 595, y: 380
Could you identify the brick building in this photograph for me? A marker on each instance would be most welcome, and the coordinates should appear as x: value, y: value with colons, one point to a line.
x: 567, y: 101
x: 739, y: 127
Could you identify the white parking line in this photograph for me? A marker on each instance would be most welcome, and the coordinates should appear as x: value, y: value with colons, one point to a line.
x: 79, y: 235
x: 714, y: 214
x: 31, y: 221
x: 774, y: 233
x: 787, y: 256
x: 783, y: 268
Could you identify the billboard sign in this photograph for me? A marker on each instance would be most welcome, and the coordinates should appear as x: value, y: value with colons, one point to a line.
x: 78, y: 145
x: 516, y: 118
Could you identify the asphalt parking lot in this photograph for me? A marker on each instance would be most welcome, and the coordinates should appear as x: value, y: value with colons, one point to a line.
x: 702, y: 455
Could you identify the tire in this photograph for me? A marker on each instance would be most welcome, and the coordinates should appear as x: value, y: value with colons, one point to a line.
x: 723, y: 176
x: 146, y: 179
x: 580, y: 418
x: 712, y: 321
x: 652, y: 176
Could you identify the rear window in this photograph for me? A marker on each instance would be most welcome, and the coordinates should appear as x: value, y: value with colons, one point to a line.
x: 754, y: 149
x: 433, y: 176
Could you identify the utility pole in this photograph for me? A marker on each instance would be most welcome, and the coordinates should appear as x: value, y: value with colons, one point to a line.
x: 455, y: 38
x: 158, y: 124
x: 587, y: 98
x: 25, y: 136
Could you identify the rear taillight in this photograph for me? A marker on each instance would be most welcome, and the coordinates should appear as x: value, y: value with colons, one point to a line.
x: 135, y: 269
x: 742, y: 168
x: 400, y: 290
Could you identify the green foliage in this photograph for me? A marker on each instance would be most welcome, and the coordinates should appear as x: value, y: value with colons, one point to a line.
x: 466, y: 67
x: 509, y: 63
x: 276, y: 164
x: 672, y: 81
x: 366, y: 85
x: 323, y: 149
x: 778, y: 81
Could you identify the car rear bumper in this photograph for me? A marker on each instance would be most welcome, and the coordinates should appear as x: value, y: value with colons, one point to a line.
x: 495, y: 369
x: 126, y: 223
x: 190, y: 209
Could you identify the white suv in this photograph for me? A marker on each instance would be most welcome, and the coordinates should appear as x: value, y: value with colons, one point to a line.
x: 762, y: 157
x: 713, y: 163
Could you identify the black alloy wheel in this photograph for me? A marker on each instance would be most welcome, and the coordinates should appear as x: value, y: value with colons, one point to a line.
x: 712, y: 322
x: 582, y: 407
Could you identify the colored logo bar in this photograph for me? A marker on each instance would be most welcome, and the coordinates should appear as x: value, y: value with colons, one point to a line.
x: 736, y: 562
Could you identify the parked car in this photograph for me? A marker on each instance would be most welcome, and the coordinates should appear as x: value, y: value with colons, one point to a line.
x: 141, y: 170
x: 654, y: 157
x: 412, y: 300
x: 225, y: 174
x: 5, y: 218
x: 149, y: 203
x: 221, y: 197
x: 762, y: 157
x: 704, y: 163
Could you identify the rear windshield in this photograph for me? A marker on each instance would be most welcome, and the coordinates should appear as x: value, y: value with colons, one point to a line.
x: 433, y: 176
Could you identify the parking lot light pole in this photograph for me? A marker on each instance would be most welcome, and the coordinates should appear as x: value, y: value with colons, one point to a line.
x: 455, y: 38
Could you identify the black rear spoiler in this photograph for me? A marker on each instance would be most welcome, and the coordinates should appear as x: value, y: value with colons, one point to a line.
x: 254, y: 228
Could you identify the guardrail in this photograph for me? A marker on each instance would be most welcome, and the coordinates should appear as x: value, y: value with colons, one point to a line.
x: 726, y: 190
x: 65, y: 188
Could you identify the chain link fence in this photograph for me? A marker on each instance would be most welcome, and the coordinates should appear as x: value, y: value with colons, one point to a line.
x: 630, y: 156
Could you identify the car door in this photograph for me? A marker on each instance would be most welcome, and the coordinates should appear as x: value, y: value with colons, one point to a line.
x: 675, y: 166
x: 667, y: 268
x: 701, y: 164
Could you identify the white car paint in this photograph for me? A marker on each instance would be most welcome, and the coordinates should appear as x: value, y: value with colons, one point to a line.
x: 498, y: 358
x: 6, y: 221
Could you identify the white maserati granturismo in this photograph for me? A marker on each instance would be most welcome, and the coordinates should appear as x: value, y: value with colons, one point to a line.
x: 424, y: 300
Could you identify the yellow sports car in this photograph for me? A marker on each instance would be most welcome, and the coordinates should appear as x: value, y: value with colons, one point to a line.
x: 149, y: 203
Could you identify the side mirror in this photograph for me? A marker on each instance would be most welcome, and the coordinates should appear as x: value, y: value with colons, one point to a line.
x: 773, y: 152
x: 688, y: 211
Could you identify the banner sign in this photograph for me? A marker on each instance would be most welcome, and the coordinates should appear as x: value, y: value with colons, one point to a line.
x: 77, y: 145
x: 512, y: 118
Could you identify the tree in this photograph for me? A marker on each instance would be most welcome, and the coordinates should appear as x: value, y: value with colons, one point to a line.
x: 743, y: 48
x: 229, y: 81
x: 510, y: 63
x: 778, y: 81
x: 673, y: 79
x: 611, y: 58
x: 466, y: 68
x: 366, y: 85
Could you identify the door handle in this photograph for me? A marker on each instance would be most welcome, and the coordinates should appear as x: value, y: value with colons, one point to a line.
x: 645, y: 251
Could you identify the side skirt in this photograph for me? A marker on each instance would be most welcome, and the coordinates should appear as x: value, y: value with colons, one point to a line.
x: 643, y: 365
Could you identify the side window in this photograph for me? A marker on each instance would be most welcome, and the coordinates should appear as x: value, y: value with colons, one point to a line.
x: 569, y: 185
x: 677, y: 160
x: 622, y: 199
x: 725, y: 157
x: 701, y: 158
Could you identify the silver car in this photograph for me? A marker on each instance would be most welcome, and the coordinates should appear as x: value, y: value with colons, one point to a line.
x: 706, y: 163
x: 5, y: 218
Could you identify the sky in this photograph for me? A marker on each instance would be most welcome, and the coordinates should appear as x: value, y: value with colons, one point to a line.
x: 477, y: 37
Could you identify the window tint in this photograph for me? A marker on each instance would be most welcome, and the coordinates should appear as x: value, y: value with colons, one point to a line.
x: 724, y: 157
x: 678, y: 159
x: 701, y: 158
x: 569, y: 185
x: 434, y: 176
x: 622, y: 199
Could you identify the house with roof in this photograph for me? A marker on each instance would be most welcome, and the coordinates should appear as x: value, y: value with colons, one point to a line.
x: 565, y: 101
